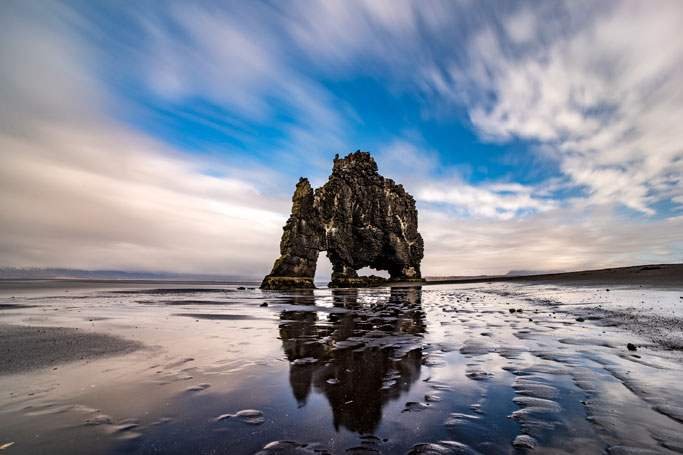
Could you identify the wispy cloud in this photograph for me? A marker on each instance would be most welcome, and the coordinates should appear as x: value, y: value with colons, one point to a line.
x: 431, y: 183
x: 601, y: 99
x: 557, y: 242
x: 78, y: 189
x: 96, y: 101
x: 242, y: 58
x: 570, y: 77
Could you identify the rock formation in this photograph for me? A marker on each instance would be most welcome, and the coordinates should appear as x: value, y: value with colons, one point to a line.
x: 359, y: 218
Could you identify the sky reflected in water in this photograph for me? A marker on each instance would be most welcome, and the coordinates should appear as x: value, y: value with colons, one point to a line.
x: 486, y: 368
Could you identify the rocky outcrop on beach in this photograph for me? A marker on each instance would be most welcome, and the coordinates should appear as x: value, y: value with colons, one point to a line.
x: 359, y: 218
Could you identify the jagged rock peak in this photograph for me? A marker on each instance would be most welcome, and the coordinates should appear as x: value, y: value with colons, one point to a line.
x: 359, y: 218
x: 354, y: 161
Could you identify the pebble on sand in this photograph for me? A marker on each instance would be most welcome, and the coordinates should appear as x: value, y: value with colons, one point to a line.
x: 248, y: 416
x: 524, y: 442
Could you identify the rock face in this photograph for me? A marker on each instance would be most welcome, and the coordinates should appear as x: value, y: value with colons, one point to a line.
x: 359, y: 218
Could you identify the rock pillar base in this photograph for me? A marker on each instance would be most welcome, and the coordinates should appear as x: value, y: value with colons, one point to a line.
x: 356, y: 282
x: 287, y: 282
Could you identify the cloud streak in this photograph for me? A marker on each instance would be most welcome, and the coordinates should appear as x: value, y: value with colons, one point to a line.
x: 599, y: 98
x: 559, y: 242
x: 96, y: 171
x: 80, y: 190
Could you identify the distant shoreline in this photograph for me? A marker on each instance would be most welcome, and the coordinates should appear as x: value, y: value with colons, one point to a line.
x: 651, y: 275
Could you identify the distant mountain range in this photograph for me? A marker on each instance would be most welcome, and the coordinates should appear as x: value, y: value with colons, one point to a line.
x: 46, y: 273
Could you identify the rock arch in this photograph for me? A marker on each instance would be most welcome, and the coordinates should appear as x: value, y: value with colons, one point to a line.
x: 359, y: 218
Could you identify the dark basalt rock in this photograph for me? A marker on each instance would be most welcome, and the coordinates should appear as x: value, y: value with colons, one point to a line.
x: 358, y: 282
x: 359, y: 218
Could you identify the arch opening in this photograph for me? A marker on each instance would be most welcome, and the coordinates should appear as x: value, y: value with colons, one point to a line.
x: 366, y: 271
x: 323, y: 268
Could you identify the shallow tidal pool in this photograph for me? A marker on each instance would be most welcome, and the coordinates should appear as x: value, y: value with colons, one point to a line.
x: 490, y: 368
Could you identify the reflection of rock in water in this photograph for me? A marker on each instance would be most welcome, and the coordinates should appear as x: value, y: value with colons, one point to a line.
x: 359, y: 358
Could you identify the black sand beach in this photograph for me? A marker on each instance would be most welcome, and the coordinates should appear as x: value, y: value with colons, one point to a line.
x: 493, y: 367
x: 26, y: 348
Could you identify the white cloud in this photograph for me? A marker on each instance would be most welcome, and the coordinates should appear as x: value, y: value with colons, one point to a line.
x: 559, y: 241
x: 238, y: 57
x: 495, y: 227
x: 602, y: 98
x: 77, y: 189
x: 341, y: 33
x: 419, y: 170
x: 471, y: 200
x: 521, y: 26
x: 406, y: 161
x: 150, y: 213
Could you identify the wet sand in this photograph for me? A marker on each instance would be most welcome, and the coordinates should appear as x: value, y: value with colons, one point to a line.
x: 488, y: 368
x: 26, y: 348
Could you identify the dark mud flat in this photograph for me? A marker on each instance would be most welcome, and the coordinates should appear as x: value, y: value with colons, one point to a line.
x: 25, y: 348
x: 500, y: 368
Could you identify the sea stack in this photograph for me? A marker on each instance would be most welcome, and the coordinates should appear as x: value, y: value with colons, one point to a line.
x: 359, y: 218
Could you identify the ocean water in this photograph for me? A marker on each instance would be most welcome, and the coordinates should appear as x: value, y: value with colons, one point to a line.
x: 490, y: 368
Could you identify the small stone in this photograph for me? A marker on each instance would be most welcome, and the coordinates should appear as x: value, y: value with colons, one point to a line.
x: 512, y: 310
x: 99, y: 420
x: 248, y: 416
x: 413, y: 406
x: 264, y: 304
x: 524, y: 442
x: 432, y: 397
x: 632, y: 347
x: 198, y: 387
x: 580, y: 319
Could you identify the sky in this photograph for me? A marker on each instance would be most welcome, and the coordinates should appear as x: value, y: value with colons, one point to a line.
x: 168, y: 136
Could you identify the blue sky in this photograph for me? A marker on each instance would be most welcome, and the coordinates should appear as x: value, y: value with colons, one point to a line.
x: 168, y: 136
